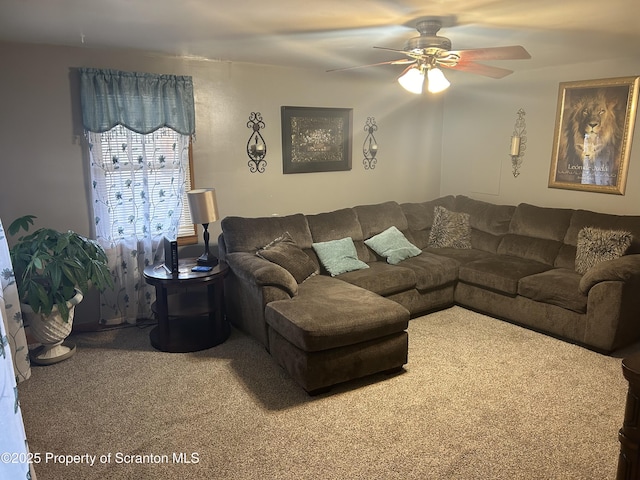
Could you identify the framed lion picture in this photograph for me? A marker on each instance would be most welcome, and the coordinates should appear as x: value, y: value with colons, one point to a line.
x: 594, y: 129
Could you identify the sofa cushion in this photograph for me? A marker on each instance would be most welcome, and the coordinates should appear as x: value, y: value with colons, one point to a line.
x: 250, y: 234
x: 285, y: 252
x: 374, y: 219
x: 420, y: 215
x: 420, y: 218
x: 339, y: 224
x: 392, y: 245
x: 450, y: 229
x: 432, y: 271
x: 531, y: 248
x: 485, y: 216
x: 558, y: 286
x: 488, y: 222
x: 596, y: 245
x: 485, y: 241
x: 540, y: 222
x: 585, y: 218
x: 330, y: 313
x: 566, y: 257
x: 382, y: 278
x: 500, y: 273
x: 460, y: 255
x: 338, y: 256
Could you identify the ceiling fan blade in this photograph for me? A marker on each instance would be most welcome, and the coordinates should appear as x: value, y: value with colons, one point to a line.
x: 410, y: 54
x: 402, y: 61
x: 514, y: 52
x: 480, y: 69
x: 392, y: 49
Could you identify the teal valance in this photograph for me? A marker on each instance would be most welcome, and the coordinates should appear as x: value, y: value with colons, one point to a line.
x: 142, y: 102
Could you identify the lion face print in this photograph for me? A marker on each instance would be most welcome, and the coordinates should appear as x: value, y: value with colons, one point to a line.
x: 591, y: 137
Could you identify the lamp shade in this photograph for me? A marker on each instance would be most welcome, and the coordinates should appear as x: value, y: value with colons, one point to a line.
x: 203, y: 205
x: 412, y: 80
x: 436, y: 81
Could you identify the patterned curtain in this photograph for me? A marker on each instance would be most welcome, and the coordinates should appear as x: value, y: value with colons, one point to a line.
x: 138, y: 126
x: 13, y: 440
x: 138, y: 186
x: 11, y: 314
x: 142, y: 102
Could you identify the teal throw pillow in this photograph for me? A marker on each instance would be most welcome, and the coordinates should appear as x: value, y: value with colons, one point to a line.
x: 339, y: 256
x: 392, y: 245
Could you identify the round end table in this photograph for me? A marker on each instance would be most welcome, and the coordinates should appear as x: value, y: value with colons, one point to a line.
x: 189, y: 307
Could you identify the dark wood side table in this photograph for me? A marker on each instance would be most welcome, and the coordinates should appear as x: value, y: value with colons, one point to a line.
x: 629, y: 436
x: 189, y: 307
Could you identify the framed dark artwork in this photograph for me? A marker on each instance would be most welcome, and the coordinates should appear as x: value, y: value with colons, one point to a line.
x: 316, y: 139
x: 593, y: 134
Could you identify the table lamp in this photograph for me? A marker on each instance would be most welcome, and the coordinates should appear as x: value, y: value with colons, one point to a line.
x: 204, y: 210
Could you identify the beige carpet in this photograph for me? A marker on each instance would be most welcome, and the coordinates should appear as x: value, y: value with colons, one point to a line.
x: 479, y: 399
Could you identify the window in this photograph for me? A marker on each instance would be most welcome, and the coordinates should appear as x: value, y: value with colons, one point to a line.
x: 138, y: 180
x: 128, y: 180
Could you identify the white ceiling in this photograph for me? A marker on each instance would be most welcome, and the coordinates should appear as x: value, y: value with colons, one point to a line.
x: 326, y: 34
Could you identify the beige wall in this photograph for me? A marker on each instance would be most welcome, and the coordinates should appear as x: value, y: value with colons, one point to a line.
x: 44, y: 161
x: 457, y: 143
x: 479, y: 118
x: 43, y: 155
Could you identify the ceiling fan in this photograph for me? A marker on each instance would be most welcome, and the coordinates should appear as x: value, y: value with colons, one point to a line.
x: 429, y: 52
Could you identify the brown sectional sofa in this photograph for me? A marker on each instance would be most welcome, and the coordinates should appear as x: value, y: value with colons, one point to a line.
x: 520, y: 267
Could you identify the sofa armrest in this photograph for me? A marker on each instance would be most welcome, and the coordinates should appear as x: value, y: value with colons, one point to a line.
x: 620, y: 269
x: 258, y: 271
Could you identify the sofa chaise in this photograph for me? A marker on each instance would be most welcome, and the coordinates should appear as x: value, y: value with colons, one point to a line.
x: 330, y: 295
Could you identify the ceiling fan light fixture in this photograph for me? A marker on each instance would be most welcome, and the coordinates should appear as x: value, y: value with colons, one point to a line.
x: 436, y: 81
x: 412, y: 80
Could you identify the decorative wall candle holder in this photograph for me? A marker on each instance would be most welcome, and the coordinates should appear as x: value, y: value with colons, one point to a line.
x: 370, y: 146
x: 256, y: 146
x: 518, y: 142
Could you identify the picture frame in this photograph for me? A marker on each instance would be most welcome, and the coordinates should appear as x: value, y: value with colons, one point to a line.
x: 316, y: 139
x: 593, y: 134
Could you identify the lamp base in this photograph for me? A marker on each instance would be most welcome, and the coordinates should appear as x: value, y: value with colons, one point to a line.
x: 207, y: 259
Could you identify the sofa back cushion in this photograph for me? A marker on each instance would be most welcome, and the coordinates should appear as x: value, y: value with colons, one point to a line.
x: 536, y: 233
x: 420, y: 218
x: 489, y: 222
x: 337, y: 225
x: 540, y: 222
x: 250, y: 234
x: 377, y: 218
x: 538, y: 249
x: 585, y: 218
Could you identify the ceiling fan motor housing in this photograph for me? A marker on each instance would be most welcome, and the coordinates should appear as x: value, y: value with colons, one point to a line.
x: 428, y: 38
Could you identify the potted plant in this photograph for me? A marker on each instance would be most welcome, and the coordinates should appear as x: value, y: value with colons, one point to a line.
x: 53, y: 269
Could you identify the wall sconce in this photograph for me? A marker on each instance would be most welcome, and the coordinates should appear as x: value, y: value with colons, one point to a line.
x: 370, y: 146
x: 256, y: 146
x: 518, y: 143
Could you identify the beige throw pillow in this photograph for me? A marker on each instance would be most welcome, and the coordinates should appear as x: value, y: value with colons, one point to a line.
x: 596, y: 245
x: 450, y: 229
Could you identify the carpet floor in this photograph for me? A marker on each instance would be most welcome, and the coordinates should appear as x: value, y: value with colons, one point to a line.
x: 478, y: 399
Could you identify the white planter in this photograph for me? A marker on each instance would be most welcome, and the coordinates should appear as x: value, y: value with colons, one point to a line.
x: 51, y: 331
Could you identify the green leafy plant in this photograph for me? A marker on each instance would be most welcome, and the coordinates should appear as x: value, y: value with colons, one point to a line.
x: 50, y: 265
